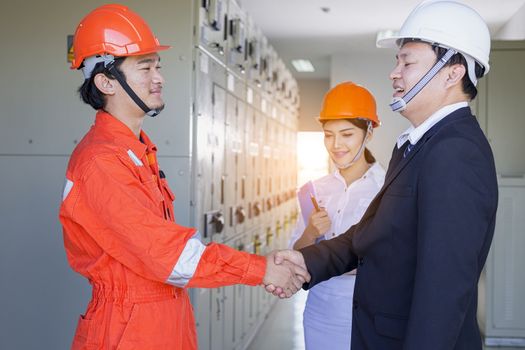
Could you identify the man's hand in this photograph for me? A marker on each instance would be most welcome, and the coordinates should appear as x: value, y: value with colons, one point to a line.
x: 292, y: 259
x: 286, y: 275
x: 293, y: 256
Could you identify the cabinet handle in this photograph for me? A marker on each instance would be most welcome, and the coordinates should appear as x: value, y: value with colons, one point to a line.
x: 223, y: 179
x: 218, y: 309
x: 243, y: 181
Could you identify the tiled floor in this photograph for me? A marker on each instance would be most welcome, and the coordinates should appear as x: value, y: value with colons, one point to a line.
x: 283, y: 329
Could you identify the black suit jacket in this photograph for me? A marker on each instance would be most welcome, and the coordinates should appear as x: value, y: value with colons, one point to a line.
x: 421, y: 245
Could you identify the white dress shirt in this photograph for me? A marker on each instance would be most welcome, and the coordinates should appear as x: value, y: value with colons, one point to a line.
x: 415, y: 134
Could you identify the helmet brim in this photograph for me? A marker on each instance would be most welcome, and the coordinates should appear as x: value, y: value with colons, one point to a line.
x: 78, y: 65
x: 388, y: 43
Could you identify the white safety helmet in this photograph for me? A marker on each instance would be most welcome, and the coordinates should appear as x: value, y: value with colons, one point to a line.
x: 448, y: 24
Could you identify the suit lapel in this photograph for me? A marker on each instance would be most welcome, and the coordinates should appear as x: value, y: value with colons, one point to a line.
x: 403, y: 162
x: 391, y: 175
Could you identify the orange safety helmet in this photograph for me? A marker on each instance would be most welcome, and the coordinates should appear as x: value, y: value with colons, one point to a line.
x: 348, y: 101
x: 115, y: 30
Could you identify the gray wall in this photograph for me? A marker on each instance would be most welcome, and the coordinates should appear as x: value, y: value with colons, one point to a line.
x: 312, y: 93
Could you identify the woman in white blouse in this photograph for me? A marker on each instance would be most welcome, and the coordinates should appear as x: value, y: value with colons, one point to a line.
x: 348, y: 118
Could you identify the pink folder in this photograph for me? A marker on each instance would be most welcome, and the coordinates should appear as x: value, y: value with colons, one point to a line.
x: 305, y: 202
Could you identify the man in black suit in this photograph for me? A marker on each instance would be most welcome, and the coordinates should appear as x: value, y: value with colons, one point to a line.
x: 421, y: 245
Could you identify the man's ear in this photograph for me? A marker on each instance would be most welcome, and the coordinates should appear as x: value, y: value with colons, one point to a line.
x: 455, y: 74
x: 104, y: 84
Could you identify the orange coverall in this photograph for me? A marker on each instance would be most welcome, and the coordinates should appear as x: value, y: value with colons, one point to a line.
x: 120, y: 233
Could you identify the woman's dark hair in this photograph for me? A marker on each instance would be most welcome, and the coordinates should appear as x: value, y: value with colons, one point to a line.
x: 468, y: 87
x: 363, y: 125
x: 88, y: 91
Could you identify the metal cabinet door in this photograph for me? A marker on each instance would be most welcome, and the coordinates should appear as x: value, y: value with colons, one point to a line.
x: 200, y: 299
x: 236, y: 38
x: 217, y: 319
x: 249, y: 163
x: 506, y: 306
x: 212, y: 27
x: 230, y: 171
x: 241, y: 210
x: 229, y: 317
x: 219, y: 179
x: 205, y: 142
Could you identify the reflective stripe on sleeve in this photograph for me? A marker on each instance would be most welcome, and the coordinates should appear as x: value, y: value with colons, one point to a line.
x: 134, y: 158
x: 67, y: 188
x: 187, y: 263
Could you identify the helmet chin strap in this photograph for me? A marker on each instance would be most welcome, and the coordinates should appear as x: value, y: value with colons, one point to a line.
x: 359, y: 153
x: 399, y: 104
x: 113, y: 70
x: 109, y: 63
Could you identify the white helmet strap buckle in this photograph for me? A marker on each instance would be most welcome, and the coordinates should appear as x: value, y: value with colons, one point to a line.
x: 90, y: 63
x: 399, y: 103
x: 471, y: 66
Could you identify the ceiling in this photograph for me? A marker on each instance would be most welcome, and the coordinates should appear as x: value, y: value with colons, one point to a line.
x: 301, y: 29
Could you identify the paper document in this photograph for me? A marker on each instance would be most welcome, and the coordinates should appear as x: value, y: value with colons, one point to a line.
x: 305, y: 200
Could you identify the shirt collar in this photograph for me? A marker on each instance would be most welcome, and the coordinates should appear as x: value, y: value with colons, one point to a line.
x: 415, y: 134
x: 377, y: 173
x: 123, y: 135
x: 338, y: 176
x: 374, y: 171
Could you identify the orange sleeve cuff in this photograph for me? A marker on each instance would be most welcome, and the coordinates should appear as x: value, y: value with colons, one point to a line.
x: 256, y: 270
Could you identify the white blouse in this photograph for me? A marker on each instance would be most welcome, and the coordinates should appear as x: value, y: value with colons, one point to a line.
x: 345, y: 205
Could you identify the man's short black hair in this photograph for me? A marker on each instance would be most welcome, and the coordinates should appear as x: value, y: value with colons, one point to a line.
x: 468, y: 87
x: 88, y: 91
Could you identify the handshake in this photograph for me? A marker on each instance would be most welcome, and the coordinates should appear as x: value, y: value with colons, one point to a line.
x: 285, y: 273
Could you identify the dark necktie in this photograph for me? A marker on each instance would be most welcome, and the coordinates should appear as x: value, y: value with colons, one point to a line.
x: 397, y: 156
x: 408, y: 149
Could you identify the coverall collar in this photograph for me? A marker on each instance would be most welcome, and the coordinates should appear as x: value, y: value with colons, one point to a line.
x: 123, y: 135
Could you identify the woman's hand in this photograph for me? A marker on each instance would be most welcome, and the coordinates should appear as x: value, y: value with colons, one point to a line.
x: 318, y: 223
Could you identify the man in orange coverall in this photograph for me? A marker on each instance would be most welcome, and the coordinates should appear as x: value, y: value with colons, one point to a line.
x: 117, y: 212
